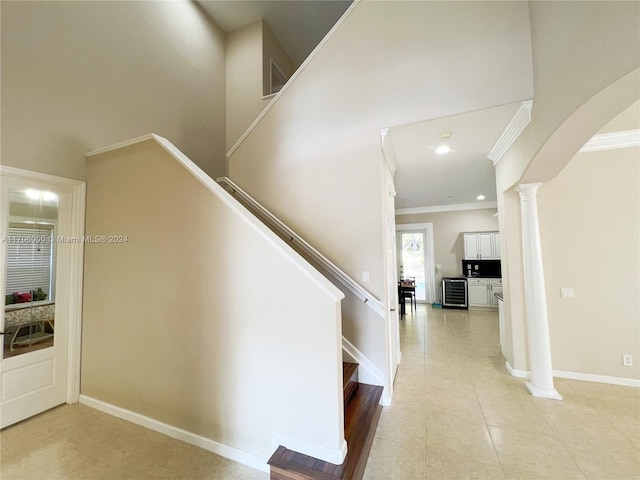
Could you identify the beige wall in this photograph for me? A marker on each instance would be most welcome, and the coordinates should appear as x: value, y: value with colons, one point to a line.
x: 584, y: 76
x: 448, y: 228
x: 249, y: 50
x: 196, y: 321
x: 244, y: 80
x: 590, y: 232
x: 77, y: 76
x: 271, y: 49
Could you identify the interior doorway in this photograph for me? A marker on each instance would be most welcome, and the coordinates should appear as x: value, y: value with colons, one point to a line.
x: 415, y: 258
x: 42, y: 247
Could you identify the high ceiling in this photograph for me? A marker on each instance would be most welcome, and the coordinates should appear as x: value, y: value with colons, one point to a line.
x: 423, y: 178
x: 298, y: 25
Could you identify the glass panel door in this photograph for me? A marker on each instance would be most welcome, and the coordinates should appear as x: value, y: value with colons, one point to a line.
x: 412, y: 262
x: 30, y: 271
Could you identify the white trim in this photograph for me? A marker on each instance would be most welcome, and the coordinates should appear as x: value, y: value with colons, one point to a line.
x: 322, y: 453
x: 119, y: 145
x: 367, y: 371
x: 609, y: 141
x: 591, y: 377
x: 76, y: 276
x: 231, y: 453
x: 517, y: 373
x: 388, y: 151
x: 447, y: 208
x: 74, y: 335
x: 516, y: 126
x: 232, y: 204
x: 293, y: 78
x: 585, y: 377
x: 430, y: 273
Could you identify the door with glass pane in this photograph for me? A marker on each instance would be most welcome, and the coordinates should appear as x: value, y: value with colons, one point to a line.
x: 411, y: 253
x: 35, y: 284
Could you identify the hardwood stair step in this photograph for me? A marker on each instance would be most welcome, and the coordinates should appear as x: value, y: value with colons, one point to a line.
x: 349, y: 381
x: 362, y: 415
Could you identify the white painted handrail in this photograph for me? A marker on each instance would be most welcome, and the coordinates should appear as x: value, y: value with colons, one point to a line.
x: 303, y: 245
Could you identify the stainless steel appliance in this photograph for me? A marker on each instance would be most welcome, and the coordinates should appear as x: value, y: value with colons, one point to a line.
x: 454, y: 292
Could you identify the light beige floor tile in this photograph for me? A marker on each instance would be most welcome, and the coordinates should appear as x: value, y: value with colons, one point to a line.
x: 86, y: 467
x: 454, y: 436
x: 402, y: 426
x: 511, y: 475
x: 38, y: 462
x: 391, y: 460
x: 440, y: 467
x: 540, y: 455
x: 507, y: 412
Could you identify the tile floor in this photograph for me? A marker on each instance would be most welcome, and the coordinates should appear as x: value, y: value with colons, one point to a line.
x: 457, y: 414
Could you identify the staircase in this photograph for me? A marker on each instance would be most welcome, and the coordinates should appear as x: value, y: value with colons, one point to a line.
x: 361, y: 401
x: 361, y: 413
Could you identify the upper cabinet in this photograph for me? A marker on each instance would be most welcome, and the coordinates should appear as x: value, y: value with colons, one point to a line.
x: 482, y: 246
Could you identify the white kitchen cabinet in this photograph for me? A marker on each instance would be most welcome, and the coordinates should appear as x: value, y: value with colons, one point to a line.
x: 478, y: 289
x: 496, y: 245
x: 482, y: 246
x: 495, y: 286
x: 481, y: 291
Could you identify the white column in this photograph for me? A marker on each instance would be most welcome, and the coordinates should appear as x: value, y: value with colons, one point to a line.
x: 541, y: 384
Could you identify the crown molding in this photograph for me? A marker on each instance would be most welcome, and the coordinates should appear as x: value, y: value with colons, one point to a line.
x: 608, y: 141
x: 515, y: 127
x: 447, y: 208
x: 388, y: 150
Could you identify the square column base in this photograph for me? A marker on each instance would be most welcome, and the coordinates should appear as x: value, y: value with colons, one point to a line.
x: 539, y: 392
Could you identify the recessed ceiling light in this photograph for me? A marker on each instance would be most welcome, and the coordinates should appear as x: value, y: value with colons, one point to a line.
x: 444, y: 148
x: 480, y: 197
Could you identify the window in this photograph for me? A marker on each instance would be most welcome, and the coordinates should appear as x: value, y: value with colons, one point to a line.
x: 29, y: 259
x: 278, y: 79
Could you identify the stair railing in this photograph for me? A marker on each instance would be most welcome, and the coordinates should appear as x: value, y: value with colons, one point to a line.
x: 295, y: 239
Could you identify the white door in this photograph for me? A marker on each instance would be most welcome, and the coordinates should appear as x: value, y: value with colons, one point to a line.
x: 392, y: 293
x: 35, y: 279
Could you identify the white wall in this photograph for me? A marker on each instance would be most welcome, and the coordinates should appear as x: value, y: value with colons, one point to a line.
x: 590, y: 232
x: 204, y: 319
x: 81, y: 75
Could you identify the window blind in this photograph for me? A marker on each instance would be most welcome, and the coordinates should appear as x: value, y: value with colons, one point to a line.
x: 29, y: 259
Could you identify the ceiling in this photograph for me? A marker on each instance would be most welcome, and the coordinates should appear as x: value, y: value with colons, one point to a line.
x: 427, y: 179
x: 423, y: 178
x: 298, y: 25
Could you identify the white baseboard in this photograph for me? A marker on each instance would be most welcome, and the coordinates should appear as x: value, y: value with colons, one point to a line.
x: 517, y: 373
x: 367, y: 371
x: 231, y: 453
x: 585, y: 377
x: 328, y: 455
x: 590, y: 377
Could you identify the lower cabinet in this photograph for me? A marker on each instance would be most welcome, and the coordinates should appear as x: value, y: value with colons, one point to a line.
x: 481, y: 291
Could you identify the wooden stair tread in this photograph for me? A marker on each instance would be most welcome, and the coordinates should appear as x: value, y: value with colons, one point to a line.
x: 362, y: 414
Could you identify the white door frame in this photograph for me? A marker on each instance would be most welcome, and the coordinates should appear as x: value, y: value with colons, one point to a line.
x: 74, y: 342
x: 430, y: 274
